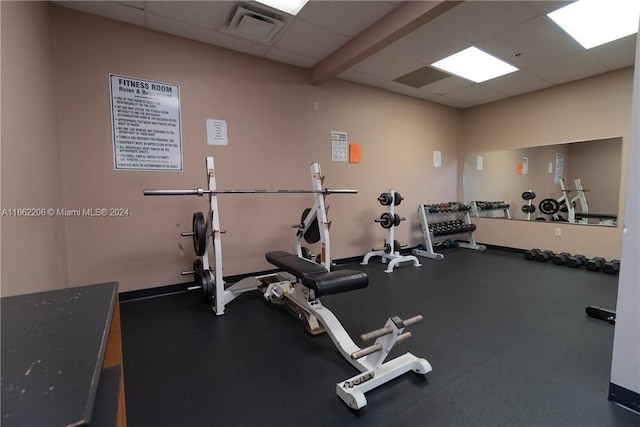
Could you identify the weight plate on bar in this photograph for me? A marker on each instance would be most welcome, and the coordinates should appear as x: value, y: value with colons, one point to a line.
x: 198, y: 268
x: 385, y: 199
x: 549, y: 206
x: 397, y: 199
x: 312, y: 234
x: 199, y: 228
x: 386, y: 220
x: 207, y: 287
x: 528, y: 195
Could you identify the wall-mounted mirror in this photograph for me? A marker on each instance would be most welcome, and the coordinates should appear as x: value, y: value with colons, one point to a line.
x: 575, y: 182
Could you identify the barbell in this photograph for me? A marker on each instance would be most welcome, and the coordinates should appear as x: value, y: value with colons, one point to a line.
x: 201, y: 192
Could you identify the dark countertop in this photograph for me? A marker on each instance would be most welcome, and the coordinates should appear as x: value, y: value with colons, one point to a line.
x: 53, y: 347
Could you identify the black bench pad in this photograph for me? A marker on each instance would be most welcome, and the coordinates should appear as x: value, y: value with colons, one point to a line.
x: 316, y: 277
x: 336, y: 282
x: 290, y: 263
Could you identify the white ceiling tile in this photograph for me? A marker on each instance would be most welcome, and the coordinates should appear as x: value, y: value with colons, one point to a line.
x: 476, y: 94
x: 164, y: 24
x: 616, y: 54
x: 517, y: 83
x: 362, y: 78
x: 107, y: 9
x: 205, y: 14
x: 280, y: 55
x: 439, y: 99
x: 449, y: 84
x: 538, y: 40
x: 305, y: 39
x: 568, y: 68
x: 478, y: 20
x: 421, y: 94
x: 348, y: 18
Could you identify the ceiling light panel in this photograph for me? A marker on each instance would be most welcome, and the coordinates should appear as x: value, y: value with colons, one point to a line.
x: 595, y: 22
x: 475, y: 65
x: 292, y: 7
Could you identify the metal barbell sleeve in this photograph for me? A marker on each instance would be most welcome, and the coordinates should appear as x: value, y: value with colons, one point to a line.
x: 388, y: 329
x: 377, y: 347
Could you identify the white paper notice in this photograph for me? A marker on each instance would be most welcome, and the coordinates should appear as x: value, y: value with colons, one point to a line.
x: 525, y: 165
x: 339, y: 146
x: 145, y: 120
x: 479, y: 161
x: 217, y: 132
x: 437, y: 159
x: 559, y: 168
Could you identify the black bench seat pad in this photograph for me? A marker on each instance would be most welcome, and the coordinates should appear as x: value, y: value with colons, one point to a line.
x: 291, y: 263
x: 336, y: 282
x: 316, y: 277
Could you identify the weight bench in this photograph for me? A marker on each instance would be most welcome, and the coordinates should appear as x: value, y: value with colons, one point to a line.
x: 314, y: 281
x: 316, y: 277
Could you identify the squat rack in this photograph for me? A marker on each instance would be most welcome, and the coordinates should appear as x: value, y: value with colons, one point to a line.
x: 215, y: 286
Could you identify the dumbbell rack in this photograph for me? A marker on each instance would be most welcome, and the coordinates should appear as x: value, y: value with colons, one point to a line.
x: 443, y: 210
x: 391, y: 252
x: 477, y: 207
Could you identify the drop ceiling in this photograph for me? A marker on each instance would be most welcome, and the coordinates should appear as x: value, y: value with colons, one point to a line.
x: 388, y: 44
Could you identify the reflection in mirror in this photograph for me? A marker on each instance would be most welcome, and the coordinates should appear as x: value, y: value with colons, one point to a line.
x: 576, y: 182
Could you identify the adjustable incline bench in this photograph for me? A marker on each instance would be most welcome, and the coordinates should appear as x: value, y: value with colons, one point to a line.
x: 313, y: 281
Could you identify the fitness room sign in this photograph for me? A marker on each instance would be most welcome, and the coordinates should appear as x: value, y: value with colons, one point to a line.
x: 145, y: 120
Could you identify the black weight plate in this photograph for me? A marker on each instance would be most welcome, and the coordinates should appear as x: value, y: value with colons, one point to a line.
x: 528, y: 195
x: 397, y: 199
x: 199, y: 228
x: 385, y: 199
x: 306, y: 253
x: 312, y: 235
x: 386, y: 220
x: 549, y: 206
x: 396, y: 246
x: 198, y: 268
x: 396, y: 220
x: 207, y: 287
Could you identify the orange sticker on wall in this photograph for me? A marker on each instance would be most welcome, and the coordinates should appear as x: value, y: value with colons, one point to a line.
x: 520, y: 167
x: 355, y: 153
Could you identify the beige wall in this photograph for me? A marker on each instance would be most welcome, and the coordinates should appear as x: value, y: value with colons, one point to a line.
x: 273, y: 137
x: 594, y: 108
x: 33, y: 248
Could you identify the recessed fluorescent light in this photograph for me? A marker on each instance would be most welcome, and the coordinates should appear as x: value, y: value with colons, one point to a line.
x: 292, y: 7
x: 475, y: 65
x: 596, y: 22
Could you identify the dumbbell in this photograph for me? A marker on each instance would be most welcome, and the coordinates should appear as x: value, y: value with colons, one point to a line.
x: 561, y: 258
x: 528, y: 195
x: 531, y: 254
x: 612, y: 267
x: 576, y: 261
x: 544, y: 256
x: 595, y: 264
x: 528, y: 209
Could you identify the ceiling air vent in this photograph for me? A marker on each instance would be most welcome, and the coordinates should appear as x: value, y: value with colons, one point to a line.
x: 254, y: 25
